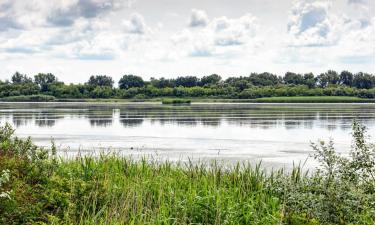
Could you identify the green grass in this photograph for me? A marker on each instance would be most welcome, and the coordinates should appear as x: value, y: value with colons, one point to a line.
x: 296, y: 99
x: 36, y: 187
x: 314, y: 99
x: 29, y: 98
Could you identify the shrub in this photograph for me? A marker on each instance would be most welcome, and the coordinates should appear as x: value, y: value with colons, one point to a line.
x: 340, y: 191
x: 38, y: 188
x: 29, y: 98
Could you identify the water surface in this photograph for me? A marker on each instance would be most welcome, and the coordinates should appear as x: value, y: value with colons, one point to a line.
x: 277, y: 134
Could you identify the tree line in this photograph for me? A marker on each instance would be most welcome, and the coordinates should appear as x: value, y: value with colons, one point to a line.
x: 256, y: 85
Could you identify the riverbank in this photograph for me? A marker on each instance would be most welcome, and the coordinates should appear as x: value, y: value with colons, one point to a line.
x: 38, y: 187
x: 294, y: 99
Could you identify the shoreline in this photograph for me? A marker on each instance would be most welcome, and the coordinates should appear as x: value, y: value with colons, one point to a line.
x: 266, y: 100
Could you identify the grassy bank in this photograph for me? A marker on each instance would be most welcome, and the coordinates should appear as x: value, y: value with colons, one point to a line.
x: 37, y: 187
x: 295, y: 99
x: 29, y: 98
x: 314, y: 99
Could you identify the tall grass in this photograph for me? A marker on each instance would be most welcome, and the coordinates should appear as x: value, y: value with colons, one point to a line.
x: 314, y: 99
x: 114, y: 190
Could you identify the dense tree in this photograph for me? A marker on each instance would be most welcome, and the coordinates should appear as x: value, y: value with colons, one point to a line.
x: 102, y: 92
x: 331, y: 77
x: 130, y: 81
x: 43, y: 80
x: 19, y: 78
x: 210, y: 80
x: 254, y: 86
x: 188, y: 81
x: 264, y: 79
x: 346, y: 78
x: 363, y: 80
x: 162, y: 82
x: 101, y: 81
x: 309, y: 80
x: 240, y: 83
x: 293, y: 78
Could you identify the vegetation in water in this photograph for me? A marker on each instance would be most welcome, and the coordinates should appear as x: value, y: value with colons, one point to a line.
x: 37, y: 187
x: 314, y: 99
x: 176, y: 101
x: 254, y: 86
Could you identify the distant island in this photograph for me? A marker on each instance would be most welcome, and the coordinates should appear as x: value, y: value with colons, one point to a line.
x: 328, y: 87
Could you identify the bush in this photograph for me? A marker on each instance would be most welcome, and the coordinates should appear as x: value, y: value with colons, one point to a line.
x: 38, y: 188
x: 342, y: 189
x: 29, y: 98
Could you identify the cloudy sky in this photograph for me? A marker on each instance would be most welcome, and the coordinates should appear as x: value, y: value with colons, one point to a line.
x: 152, y: 38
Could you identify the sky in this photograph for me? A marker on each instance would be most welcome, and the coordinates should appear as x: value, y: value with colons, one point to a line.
x: 74, y: 39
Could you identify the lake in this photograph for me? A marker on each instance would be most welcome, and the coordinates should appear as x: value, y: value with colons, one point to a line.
x: 276, y: 134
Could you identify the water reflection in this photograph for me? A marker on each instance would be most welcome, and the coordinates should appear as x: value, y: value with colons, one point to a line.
x: 41, y: 119
x: 129, y: 116
x: 100, y: 119
x: 128, y: 123
x: 271, y: 133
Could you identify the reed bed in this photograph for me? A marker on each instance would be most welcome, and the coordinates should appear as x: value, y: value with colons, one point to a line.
x: 37, y: 187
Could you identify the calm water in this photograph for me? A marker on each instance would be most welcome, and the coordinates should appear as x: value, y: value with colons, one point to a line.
x: 276, y: 134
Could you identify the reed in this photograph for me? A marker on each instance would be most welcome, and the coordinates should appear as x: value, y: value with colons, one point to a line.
x: 37, y: 187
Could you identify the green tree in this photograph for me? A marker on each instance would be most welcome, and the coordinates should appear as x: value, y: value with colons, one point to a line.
x: 162, y: 82
x: 188, y: 81
x: 210, y: 80
x: 293, y: 78
x: 330, y: 77
x: 43, y: 80
x: 346, y: 78
x: 130, y: 81
x: 309, y: 80
x: 19, y: 78
x: 363, y: 80
x: 264, y: 79
x: 101, y: 81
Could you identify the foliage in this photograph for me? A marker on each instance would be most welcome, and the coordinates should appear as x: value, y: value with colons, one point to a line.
x: 43, y: 189
x: 329, y: 78
x: 18, y: 78
x: 341, y: 191
x: 100, y: 81
x: 29, y: 98
x: 313, y: 99
x: 4, y: 178
x: 131, y: 81
x: 256, y: 85
x: 44, y: 80
x: 210, y: 80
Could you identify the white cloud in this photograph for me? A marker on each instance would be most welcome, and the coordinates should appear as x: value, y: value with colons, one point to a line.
x: 218, y: 36
x: 136, y: 24
x: 20, y: 14
x: 198, y: 18
x: 310, y: 24
x: 357, y: 1
x: 87, y: 39
x: 321, y: 36
x: 234, y: 31
x: 318, y: 34
x: 314, y: 23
